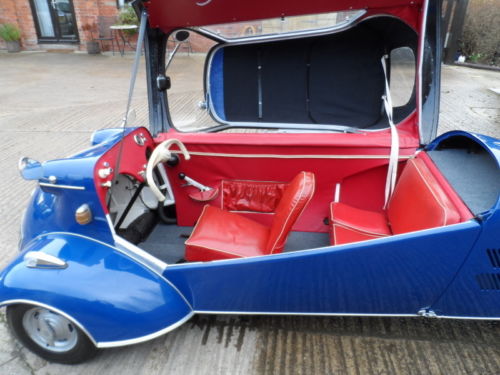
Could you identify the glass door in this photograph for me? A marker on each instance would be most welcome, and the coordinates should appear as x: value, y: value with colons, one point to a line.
x: 55, y: 21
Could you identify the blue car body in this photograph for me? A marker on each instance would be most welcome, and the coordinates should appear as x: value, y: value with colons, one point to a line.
x: 119, y: 294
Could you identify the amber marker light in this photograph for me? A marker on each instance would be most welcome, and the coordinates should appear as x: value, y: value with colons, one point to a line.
x: 83, y: 214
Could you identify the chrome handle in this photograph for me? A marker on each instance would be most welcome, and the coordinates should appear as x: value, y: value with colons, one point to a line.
x: 38, y: 259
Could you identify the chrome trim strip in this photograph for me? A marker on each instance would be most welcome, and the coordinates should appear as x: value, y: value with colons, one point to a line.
x: 152, y: 263
x: 207, y: 312
x: 60, y: 312
x: 140, y: 255
x: 126, y: 248
x: 288, y: 35
x: 281, y: 156
x: 320, y: 248
x: 421, y: 43
x: 149, y: 261
x: 285, y: 125
x: 114, y: 344
x: 71, y: 187
x: 110, y: 223
x: 310, y: 127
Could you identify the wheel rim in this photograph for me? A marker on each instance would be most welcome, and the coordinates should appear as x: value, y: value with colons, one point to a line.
x: 49, y: 330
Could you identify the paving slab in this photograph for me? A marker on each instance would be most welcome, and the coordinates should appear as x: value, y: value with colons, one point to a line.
x: 49, y: 106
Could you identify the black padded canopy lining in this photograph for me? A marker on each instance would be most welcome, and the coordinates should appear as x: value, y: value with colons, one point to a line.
x: 335, y: 79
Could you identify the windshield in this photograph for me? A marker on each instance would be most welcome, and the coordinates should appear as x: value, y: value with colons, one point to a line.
x: 325, y: 82
x: 186, y: 98
x: 283, y: 25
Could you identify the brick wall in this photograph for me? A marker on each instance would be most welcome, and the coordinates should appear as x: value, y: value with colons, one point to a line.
x: 18, y: 12
x: 87, y: 12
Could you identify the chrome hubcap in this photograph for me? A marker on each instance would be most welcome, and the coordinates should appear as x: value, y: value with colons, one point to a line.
x: 50, y: 330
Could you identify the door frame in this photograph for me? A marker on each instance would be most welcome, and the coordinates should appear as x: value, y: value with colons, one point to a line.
x: 57, y: 39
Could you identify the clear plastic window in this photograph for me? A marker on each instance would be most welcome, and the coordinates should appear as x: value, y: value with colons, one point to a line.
x: 402, y: 76
x: 186, y: 99
x: 283, y: 25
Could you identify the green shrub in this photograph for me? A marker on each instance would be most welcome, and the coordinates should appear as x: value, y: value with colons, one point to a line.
x: 127, y: 16
x: 10, y: 33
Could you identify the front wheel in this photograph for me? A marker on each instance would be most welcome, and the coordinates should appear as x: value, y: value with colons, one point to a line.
x: 49, y: 334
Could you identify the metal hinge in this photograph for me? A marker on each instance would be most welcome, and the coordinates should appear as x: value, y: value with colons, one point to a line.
x: 427, y: 313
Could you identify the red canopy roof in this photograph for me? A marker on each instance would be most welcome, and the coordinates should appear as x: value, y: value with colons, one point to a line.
x: 170, y: 14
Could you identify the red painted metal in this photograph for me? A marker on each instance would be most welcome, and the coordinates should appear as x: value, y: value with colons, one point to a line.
x: 133, y: 161
x: 171, y: 14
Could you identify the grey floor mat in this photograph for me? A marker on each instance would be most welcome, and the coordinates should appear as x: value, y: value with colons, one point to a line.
x: 306, y: 240
x: 166, y: 242
x: 474, y: 176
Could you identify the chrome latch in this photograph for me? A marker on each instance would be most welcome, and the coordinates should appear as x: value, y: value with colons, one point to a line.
x: 38, y: 259
x: 427, y: 313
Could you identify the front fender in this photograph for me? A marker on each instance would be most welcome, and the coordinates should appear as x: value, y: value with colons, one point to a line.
x: 116, y: 300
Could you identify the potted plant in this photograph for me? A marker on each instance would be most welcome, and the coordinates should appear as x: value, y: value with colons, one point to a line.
x: 93, y: 47
x: 127, y: 16
x: 12, y: 36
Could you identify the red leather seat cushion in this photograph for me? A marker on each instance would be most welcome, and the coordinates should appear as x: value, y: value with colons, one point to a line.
x: 419, y: 202
x: 350, y: 224
x: 223, y: 235
x: 293, y: 202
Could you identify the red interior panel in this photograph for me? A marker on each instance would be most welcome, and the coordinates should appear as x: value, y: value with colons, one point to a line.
x: 133, y: 161
x: 279, y: 157
x: 422, y: 199
x: 253, y: 196
x: 463, y: 210
x: 419, y: 202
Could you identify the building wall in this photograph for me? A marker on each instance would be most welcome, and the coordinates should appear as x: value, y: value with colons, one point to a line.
x: 19, y: 13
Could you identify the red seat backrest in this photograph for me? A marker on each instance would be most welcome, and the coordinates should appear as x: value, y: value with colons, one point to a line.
x: 419, y: 202
x: 295, y: 198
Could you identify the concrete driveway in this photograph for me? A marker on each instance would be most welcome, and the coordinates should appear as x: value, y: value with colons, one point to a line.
x: 49, y: 106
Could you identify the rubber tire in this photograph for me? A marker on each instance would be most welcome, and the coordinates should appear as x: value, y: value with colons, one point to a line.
x: 82, y: 351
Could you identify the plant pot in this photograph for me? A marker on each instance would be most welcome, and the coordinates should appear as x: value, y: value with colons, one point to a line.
x: 93, y: 48
x: 13, y: 46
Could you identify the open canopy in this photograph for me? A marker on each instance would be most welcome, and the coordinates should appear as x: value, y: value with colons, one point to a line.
x: 171, y: 14
x: 418, y: 24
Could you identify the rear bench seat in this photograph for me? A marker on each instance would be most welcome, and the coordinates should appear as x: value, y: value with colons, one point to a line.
x: 422, y: 199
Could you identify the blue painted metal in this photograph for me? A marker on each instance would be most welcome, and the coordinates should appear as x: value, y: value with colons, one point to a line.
x: 113, y: 297
x: 30, y: 169
x: 52, y: 209
x: 470, y: 293
x: 116, y: 298
x: 492, y: 145
x: 216, y: 76
x: 103, y: 135
x: 393, y: 275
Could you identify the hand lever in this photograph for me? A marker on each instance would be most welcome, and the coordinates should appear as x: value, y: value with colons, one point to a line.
x: 196, y: 184
x: 205, y: 194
